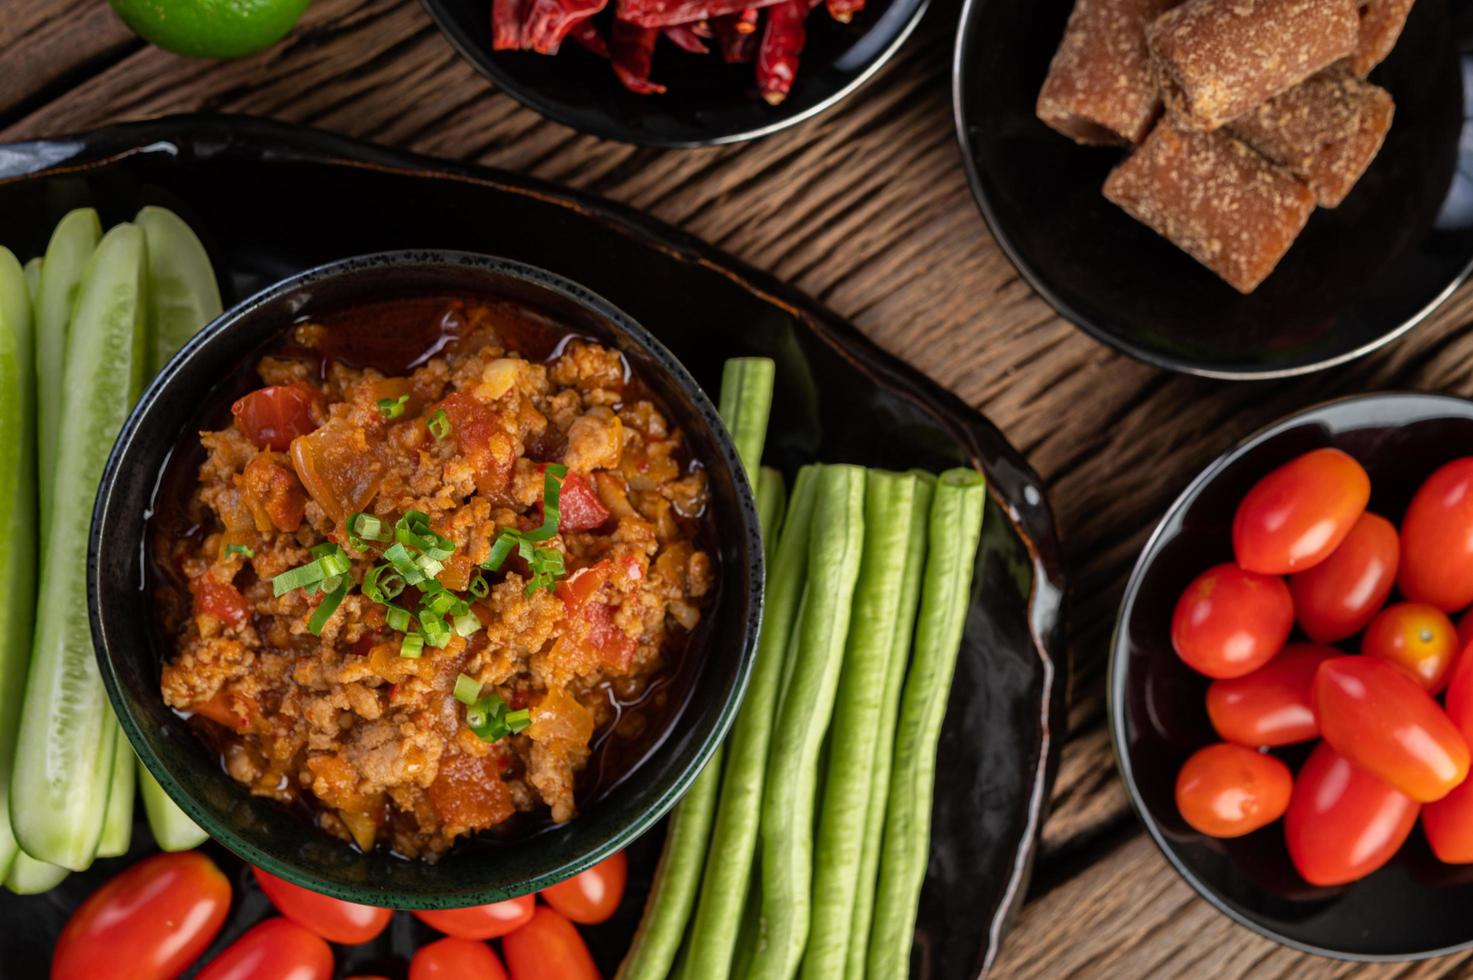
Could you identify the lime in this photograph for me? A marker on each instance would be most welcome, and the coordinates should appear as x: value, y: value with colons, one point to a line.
x: 211, y: 28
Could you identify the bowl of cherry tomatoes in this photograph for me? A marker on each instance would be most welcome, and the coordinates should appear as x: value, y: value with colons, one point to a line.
x: 1291, y: 679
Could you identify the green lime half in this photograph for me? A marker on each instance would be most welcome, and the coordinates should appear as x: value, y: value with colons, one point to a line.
x: 211, y: 28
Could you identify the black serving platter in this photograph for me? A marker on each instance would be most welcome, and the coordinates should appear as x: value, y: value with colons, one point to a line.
x: 1413, y: 907
x: 707, y: 101
x: 270, y: 199
x: 1360, y: 275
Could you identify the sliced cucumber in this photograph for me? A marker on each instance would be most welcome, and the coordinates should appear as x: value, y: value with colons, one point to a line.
x: 31, y: 877
x: 67, y: 255
x: 182, y: 293
x: 17, y: 519
x: 64, y: 755
x: 172, y: 828
x: 117, y: 823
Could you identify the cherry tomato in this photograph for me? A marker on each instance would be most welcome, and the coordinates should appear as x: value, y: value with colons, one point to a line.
x: 1228, y: 790
x: 591, y: 896
x: 151, y: 921
x: 1376, y: 716
x: 456, y: 959
x: 277, y: 949
x: 1448, y: 824
x: 272, y: 417
x: 331, y: 918
x: 1416, y: 637
x: 1437, y: 539
x: 1465, y: 630
x: 1230, y: 622
x: 1459, y: 698
x: 1342, y: 822
x: 1274, y: 705
x: 481, y: 921
x: 1296, y: 516
x: 548, y: 948
x: 1338, y: 597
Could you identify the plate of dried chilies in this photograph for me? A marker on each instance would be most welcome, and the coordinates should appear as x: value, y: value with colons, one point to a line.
x: 677, y: 73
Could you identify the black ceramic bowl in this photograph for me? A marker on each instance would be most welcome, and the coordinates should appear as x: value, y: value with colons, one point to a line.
x: 198, y: 384
x: 1359, y: 276
x: 1412, y: 907
x: 707, y: 102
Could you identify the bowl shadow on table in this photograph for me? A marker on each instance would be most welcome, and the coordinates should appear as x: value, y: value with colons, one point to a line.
x: 1415, y: 906
x: 1358, y: 276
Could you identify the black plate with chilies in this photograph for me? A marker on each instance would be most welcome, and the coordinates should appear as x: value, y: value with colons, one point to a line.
x: 707, y: 101
x: 269, y: 200
x: 1360, y: 275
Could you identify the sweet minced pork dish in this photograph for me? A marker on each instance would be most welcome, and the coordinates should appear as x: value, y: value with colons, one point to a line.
x: 428, y: 576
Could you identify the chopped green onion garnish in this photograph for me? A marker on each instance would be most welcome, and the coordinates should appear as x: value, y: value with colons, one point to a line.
x: 432, y: 625
x: 519, y: 720
x: 239, y: 549
x: 501, y: 550
x: 547, y: 567
x: 467, y: 689
x: 328, y: 606
x: 363, y: 528
x: 466, y: 623
x: 479, y: 587
x: 328, y: 560
x: 412, y: 645
x: 404, y: 563
x: 439, y: 424
x: 392, y: 408
x: 397, y: 619
x: 488, y: 718
x: 413, y: 531
x: 552, y: 491
x: 382, y: 583
x: 428, y: 566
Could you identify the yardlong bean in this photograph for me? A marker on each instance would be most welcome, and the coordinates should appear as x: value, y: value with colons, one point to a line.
x: 954, y: 532
x: 802, y: 720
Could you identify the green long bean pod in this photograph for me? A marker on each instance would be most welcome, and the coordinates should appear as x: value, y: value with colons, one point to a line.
x: 746, y: 404
x: 17, y: 519
x: 899, y: 660
x: 955, y: 530
x: 729, y: 863
x: 849, y: 791
x: 807, y: 705
x: 64, y: 755
x: 772, y: 504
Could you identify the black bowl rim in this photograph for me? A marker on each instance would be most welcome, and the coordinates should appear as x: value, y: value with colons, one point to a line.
x: 968, y: 26
x: 485, y: 63
x: 1116, y: 670
x: 624, y: 324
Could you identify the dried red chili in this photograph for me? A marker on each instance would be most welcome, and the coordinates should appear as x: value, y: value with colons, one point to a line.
x: 666, y: 13
x: 746, y: 21
x: 551, y: 20
x: 585, y: 34
x: 737, y: 46
x: 843, y: 11
x: 685, y: 37
x: 631, y: 51
x: 507, y: 17
x: 782, y: 43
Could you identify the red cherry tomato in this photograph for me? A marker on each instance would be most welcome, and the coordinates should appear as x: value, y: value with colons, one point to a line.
x: 1376, y: 716
x: 277, y: 949
x: 481, y: 921
x: 1228, y: 790
x: 1459, y: 698
x: 272, y: 417
x: 151, y: 921
x: 456, y: 959
x: 1416, y: 637
x: 1448, y: 824
x: 1342, y: 822
x: 548, y: 948
x: 1230, y: 622
x: 591, y: 896
x: 1437, y: 539
x: 1338, y: 597
x: 1465, y: 630
x: 1296, y: 516
x: 1274, y: 705
x: 331, y: 918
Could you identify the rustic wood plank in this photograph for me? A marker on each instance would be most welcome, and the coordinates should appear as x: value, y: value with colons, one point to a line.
x: 866, y: 208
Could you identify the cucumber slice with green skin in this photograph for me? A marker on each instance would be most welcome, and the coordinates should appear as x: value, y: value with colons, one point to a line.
x: 31, y: 877
x: 117, y: 823
x: 182, y: 293
x: 17, y: 519
x: 64, y: 756
x: 172, y: 828
x: 71, y: 246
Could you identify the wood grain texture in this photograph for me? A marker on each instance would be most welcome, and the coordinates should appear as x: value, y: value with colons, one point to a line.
x: 867, y: 209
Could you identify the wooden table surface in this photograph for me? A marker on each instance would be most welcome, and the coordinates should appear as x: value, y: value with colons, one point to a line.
x: 866, y: 208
